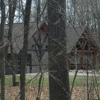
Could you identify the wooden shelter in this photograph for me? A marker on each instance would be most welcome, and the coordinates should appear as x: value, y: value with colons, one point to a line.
x: 82, y: 49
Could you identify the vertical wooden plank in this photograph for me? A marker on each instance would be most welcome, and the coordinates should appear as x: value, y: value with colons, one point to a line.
x: 94, y: 58
x: 69, y: 62
x: 83, y: 59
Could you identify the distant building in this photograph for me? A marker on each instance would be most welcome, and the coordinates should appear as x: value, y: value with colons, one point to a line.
x: 32, y: 56
x: 82, y: 47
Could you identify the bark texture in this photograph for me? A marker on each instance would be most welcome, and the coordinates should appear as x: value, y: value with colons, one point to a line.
x: 12, y: 8
x: 58, y: 71
x: 24, y: 51
x: 2, y: 65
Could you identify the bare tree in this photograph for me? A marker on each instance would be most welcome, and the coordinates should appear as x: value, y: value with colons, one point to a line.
x: 58, y: 72
x: 12, y: 8
x: 98, y: 18
x: 25, y: 47
x: 2, y: 66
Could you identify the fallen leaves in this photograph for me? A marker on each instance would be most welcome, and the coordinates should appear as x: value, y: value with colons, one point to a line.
x: 79, y: 93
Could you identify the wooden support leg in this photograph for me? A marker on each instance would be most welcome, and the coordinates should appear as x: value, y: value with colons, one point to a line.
x: 69, y: 64
x: 83, y: 60
x: 94, y: 59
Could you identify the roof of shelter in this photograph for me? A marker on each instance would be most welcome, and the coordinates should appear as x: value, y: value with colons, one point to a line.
x: 73, y: 34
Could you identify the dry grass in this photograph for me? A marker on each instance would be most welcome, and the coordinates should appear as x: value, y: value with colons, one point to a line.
x: 79, y: 93
x: 31, y: 93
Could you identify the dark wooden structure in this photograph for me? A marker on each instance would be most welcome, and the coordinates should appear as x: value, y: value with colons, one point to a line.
x: 84, y: 52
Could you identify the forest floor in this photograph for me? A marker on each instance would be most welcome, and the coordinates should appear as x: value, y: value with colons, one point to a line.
x: 79, y: 93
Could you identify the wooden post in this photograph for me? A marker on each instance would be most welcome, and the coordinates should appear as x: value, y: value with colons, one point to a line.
x: 94, y: 58
x: 82, y: 59
x: 69, y: 63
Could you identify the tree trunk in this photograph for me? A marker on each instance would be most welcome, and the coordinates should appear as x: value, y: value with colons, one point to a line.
x: 12, y: 8
x: 98, y: 18
x: 58, y: 72
x: 2, y: 66
x: 24, y: 51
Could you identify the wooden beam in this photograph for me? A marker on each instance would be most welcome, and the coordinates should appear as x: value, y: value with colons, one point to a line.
x: 94, y: 58
x: 82, y: 58
x: 85, y: 51
x: 69, y: 62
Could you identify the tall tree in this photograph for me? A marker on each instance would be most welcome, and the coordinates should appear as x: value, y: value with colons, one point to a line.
x: 12, y: 8
x: 98, y: 17
x: 2, y: 66
x: 58, y: 71
x: 25, y: 47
